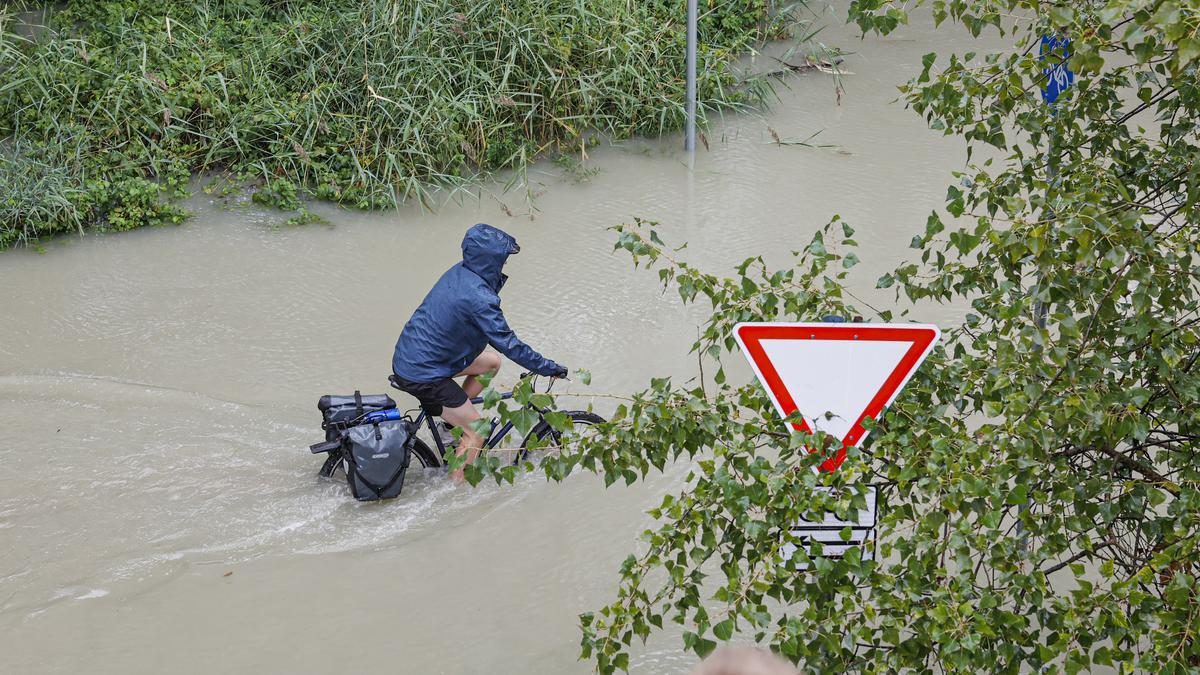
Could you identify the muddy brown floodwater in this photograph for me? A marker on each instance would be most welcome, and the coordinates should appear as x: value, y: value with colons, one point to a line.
x: 158, y: 507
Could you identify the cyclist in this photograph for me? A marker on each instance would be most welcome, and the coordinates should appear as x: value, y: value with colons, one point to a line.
x: 447, y: 335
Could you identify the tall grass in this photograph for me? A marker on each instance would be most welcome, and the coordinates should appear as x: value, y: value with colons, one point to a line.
x: 37, y: 197
x: 363, y: 102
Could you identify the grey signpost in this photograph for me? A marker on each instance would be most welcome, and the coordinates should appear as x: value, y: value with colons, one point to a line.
x: 689, y: 143
x: 1055, y: 50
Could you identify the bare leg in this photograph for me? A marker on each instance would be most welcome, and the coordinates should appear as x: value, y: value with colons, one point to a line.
x: 487, y: 362
x: 471, y: 442
x: 462, y: 416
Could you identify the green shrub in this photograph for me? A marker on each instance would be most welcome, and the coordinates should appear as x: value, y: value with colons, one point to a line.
x: 38, y: 198
x: 281, y: 194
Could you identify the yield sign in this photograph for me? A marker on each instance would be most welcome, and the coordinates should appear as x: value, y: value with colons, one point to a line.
x: 836, y: 375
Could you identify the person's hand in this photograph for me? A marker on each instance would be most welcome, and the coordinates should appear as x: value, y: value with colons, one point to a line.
x: 560, y: 372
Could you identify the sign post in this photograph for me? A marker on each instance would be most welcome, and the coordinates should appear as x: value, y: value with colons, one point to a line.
x: 1056, y: 50
x: 836, y: 376
x: 689, y: 140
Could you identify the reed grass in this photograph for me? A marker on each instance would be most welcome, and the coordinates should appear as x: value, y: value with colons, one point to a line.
x: 362, y: 102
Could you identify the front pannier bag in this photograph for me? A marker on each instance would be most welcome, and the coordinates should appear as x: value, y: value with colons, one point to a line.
x: 377, y: 458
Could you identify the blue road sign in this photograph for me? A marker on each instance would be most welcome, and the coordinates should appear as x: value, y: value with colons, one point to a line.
x: 1056, y: 49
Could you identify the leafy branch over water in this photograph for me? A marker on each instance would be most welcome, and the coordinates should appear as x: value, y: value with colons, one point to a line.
x: 361, y: 103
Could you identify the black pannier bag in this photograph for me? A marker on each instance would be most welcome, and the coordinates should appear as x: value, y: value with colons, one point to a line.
x: 374, y: 446
x: 377, y: 458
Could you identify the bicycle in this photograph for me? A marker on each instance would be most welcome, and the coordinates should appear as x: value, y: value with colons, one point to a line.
x: 541, y: 431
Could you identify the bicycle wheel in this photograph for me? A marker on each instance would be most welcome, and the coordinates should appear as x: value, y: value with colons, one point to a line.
x: 425, y: 455
x: 421, y: 455
x: 581, y: 421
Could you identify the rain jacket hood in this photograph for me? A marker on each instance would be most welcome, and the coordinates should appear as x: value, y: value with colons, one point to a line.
x: 461, y: 315
x: 485, y: 250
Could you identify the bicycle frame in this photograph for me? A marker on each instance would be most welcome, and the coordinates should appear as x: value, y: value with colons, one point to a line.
x: 494, y: 435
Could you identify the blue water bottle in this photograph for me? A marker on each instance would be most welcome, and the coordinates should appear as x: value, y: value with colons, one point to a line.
x: 378, y: 416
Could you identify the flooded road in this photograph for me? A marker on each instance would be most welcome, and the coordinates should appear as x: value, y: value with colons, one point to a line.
x: 159, y: 510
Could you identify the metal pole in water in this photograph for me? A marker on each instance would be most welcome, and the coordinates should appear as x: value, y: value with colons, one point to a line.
x: 689, y: 143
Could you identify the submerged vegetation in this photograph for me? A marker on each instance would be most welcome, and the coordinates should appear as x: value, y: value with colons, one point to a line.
x: 107, y: 113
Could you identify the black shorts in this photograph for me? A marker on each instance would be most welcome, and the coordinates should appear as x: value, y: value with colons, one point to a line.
x: 434, y: 396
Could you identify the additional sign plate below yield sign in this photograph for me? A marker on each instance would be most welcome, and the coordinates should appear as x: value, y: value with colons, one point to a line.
x: 829, y: 532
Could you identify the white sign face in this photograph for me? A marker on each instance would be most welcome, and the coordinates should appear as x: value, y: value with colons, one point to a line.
x: 833, y: 382
x: 829, y: 532
x: 836, y: 375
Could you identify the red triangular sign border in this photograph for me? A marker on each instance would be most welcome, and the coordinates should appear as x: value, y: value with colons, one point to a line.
x: 920, y: 336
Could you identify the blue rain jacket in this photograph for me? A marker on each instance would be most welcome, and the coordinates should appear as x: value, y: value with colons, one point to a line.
x: 461, y: 315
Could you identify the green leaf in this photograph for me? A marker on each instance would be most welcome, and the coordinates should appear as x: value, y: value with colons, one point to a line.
x: 1062, y: 16
x: 1189, y: 49
x: 1018, y: 495
x: 524, y: 419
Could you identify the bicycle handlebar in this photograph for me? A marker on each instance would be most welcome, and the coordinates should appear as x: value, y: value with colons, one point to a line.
x: 530, y: 373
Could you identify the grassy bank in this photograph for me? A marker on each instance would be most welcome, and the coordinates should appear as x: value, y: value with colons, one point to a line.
x: 363, y: 102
